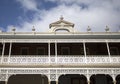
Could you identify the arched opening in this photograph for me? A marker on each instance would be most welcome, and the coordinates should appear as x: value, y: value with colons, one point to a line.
x: 72, y: 79
x: 101, y: 79
x: 62, y: 30
x: 2, y: 82
x: 118, y: 79
x: 28, y: 79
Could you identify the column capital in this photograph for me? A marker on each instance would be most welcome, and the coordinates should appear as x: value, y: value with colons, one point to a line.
x: 84, y: 41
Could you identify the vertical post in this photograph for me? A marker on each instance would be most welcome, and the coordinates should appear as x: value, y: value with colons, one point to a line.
x: 108, y: 49
x: 56, y: 52
x: 88, y: 77
x: 48, y: 75
x: 57, y: 82
x: 3, y: 50
x: 84, y: 51
x: 114, y: 77
x: 114, y: 80
x: 7, y: 75
x: 10, y: 51
x: 6, y: 82
x: 49, y: 51
x: 48, y: 81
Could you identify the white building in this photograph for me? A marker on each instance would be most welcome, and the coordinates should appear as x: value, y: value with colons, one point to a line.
x: 60, y: 56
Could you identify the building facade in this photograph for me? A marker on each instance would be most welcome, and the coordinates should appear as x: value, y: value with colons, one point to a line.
x: 60, y: 56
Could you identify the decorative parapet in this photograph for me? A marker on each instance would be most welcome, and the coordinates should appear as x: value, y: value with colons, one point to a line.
x: 61, y: 60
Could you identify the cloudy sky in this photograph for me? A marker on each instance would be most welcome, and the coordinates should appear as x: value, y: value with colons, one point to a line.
x: 24, y: 14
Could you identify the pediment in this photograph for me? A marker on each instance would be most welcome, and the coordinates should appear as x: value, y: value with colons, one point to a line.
x: 61, y: 22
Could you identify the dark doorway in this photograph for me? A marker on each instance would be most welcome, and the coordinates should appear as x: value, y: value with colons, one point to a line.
x: 101, y: 79
x: 72, y: 79
x: 2, y: 82
x: 28, y: 79
x: 118, y: 79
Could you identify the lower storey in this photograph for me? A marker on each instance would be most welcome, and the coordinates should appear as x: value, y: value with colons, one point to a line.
x: 60, y: 76
x: 63, y: 79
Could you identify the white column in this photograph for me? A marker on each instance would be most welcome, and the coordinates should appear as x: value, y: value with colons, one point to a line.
x: 108, y: 49
x: 56, y: 52
x: 114, y: 77
x: 88, y: 81
x: 84, y: 51
x: 88, y: 77
x: 49, y: 81
x: 114, y: 80
x: 10, y: 51
x: 57, y: 82
x: 6, y: 81
x: 3, y: 50
x: 49, y: 51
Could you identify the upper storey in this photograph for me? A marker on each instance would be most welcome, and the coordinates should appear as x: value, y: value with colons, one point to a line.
x: 61, y: 25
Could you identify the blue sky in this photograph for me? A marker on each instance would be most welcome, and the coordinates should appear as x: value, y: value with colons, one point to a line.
x: 24, y: 14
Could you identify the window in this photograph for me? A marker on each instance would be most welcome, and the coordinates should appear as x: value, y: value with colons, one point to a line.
x: 87, y: 51
x: 114, y: 51
x: 65, y: 51
x: 82, y: 51
x: 0, y: 51
x: 41, y: 51
x: 24, y: 51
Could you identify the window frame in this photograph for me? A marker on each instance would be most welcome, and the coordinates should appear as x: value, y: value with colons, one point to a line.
x: 24, y: 48
x: 116, y: 48
x: 1, y: 51
x: 68, y: 48
x: 38, y: 51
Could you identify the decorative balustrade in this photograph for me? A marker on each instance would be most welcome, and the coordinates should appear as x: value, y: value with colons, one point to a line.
x: 61, y: 60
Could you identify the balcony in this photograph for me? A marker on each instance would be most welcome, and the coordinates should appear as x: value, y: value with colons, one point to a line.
x: 60, y: 60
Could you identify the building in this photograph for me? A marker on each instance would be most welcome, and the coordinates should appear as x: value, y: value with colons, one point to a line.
x: 60, y: 56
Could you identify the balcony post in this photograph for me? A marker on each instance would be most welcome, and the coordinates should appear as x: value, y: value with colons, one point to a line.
x: 84, y: 47
x: 56, y: 52
x: 49, y: 51
x: 108, y: 49
x: 10, y: 51
x: 3, y: 50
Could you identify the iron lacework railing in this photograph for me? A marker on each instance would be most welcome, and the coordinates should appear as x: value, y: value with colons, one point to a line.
x: 60, y: 59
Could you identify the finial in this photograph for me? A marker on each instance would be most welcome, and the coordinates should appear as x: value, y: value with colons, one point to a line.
x: 0, y: 30
x: 119, y: 29
x: 33, y: 29
x: 88, y: 29
x: 107, y: 29
x: 61, y: 18
x: 13, y: 29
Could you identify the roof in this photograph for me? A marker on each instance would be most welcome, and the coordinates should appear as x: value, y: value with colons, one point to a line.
x: 77, y: 35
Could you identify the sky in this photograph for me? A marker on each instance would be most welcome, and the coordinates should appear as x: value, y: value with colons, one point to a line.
x: 24, y: 14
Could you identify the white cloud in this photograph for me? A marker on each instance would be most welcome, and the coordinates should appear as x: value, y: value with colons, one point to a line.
x: 1, y: 29
x: 28, y: 4
x: 97, y: 14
